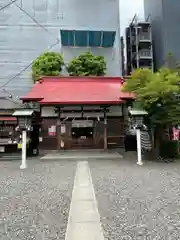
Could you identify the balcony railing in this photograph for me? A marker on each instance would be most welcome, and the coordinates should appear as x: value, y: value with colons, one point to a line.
x: 145, y: 37
x: 145, y: 54
x: 146, y: 67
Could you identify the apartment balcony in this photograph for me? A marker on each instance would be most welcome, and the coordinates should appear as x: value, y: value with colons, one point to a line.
x: 142, y: 39
x: 145, y: 63
x: 145, y: 54
x: 145, y: 37
x: 146, y: 67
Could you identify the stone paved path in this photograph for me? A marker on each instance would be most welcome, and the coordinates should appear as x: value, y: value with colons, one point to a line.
x: 84, y: 219
x: 54, y: 199
x: 81, y: 155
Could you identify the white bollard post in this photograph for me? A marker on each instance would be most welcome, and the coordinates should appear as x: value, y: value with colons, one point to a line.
x: 139, y: 155
x: 23, y: 163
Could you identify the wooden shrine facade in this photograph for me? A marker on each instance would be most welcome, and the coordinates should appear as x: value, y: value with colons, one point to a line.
x: 72, y: 127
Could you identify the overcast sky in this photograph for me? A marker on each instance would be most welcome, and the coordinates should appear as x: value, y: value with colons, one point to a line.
x: 128, y: 8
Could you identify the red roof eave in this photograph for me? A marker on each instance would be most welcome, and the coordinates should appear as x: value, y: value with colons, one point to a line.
x: 31, y: 99
x: 127, y: 96
x: 80, y: 102
x: 8, y: 118
x: 63, y: 90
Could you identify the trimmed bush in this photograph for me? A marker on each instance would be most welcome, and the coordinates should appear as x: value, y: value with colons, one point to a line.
x: 169, y: 149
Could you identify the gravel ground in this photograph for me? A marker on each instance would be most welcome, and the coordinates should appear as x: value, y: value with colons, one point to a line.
x: 139, y: 203
x: 34, y: 203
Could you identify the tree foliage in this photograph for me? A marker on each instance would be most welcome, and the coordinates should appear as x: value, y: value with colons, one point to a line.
x: 87, y: 64
x: 158, y: 93
x: 47, y: 64
x: 172, y: 62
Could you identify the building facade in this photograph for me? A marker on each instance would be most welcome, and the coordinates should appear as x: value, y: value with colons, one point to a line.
x: 139, y: 50
x: 122, y: 57
x: 28, y: 28
x: 165, y: 20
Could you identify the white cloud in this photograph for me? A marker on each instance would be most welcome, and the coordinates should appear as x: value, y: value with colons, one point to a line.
x: 128, y: 8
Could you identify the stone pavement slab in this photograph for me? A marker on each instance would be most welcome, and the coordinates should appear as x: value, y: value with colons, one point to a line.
x: 81, y: 155
x: 83, y: 193
x: 84, y: 220
x: 85, y: 231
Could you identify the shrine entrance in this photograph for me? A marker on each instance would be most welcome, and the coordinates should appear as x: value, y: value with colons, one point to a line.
x: 82, y: 132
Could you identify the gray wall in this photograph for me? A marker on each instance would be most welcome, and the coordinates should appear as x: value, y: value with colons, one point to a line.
x: 165, y: 20
x: 22, y: 40
x: 154, y: 9
x: 171, y: 17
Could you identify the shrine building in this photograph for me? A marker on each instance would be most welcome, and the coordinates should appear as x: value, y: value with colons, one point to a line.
x: 80, y: 112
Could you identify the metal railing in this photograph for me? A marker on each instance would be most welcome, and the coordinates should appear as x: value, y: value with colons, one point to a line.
x: 145, y: 37
x: 145, y: 53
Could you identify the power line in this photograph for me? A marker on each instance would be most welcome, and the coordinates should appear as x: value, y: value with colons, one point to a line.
x: 7, y: 5
x: 15, y: 76
x: 40, y: 25
x: 32, y: 18
x: 24, y: 69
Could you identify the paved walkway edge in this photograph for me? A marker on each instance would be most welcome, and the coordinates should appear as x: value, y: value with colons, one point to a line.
x: 84, y: 220
x: 82, y: 157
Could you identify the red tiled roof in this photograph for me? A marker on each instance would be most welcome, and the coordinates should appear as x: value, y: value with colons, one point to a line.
x: 78, y: 90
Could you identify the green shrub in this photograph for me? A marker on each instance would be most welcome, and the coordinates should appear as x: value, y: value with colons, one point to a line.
x: 169, y: 149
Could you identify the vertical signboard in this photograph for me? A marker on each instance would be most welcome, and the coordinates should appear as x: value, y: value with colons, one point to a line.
x: 63, y: 129
x: 175, y: 133
x: 52, y: 130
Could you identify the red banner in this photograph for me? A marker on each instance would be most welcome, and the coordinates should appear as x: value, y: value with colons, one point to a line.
x: 175, y: 134
x: 52, y: 131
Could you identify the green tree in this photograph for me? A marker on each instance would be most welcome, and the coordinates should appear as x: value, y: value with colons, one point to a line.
x: 87, y: 64
x: 172, y: 62
x: 47, y: 64
x: 159, y: 94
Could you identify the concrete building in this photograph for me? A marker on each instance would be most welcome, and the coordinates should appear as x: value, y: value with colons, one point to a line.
x: 122, y: 57
x: 165, y: 28
x: 139, y: 52
x: 28, y: 28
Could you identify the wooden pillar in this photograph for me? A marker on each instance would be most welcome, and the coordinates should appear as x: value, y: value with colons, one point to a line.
x: 125, y: 112
x: 82, y: 112
x: 105, y: 130
x: 58, y: 130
